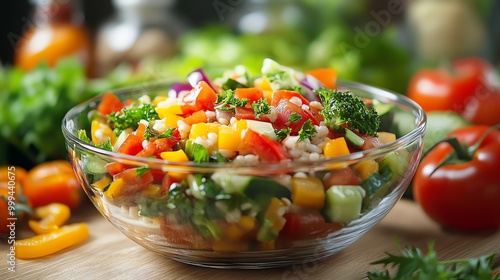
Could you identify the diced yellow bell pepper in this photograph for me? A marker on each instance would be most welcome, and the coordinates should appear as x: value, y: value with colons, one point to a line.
x: 51, y: 216
x: 366, y: 168
x: 171, y: 109
x: 203, y: 129
x: 336, y: 147
x: 101, y: 132
x: 171, y: 120
x: 275, y: 214
x: 114, y: 188
x: 176, y: 156
x: 308, y: 192
x: 54, y: 241
x: 229, y: 138
x: 152, y: 190
x: 386, y: 137
x: 102, y: 183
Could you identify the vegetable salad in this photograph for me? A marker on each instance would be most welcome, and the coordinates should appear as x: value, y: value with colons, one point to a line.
x: 281, y: 116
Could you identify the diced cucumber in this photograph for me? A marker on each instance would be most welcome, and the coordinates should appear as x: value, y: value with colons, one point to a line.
x: 260, y: 189
x: 378, y: 185
x: 343, y: 203
x: 94, y: 165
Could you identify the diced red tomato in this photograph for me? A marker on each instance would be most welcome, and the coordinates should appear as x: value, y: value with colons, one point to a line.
x: 109, y: 103
x: 370, y: 142
x: 134, y: 181
x: 183, y: 236
x: 287, y: 94
x: 266, y: 148
x: 307, y: 224
x: 285, y: 109
x: 343, y: 176
x: 132, y: 145
x: 245, y: 113
x: 114, y: 168
x: 157, y: 146
x: 252, y: 94
x: 201, y: 97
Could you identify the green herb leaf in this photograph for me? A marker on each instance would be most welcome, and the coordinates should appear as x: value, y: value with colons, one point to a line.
x: 306, y: 131
x: 261, y: 107
x: 197, y: 152
x: 294, y: 117
x: 130, y: 117
x: 82, y: 135
x: 412, y: 263
x: 282, y: 133
x: 105, y: 146
x: 152, y: 133
x: 227, y: 101
x: 141, y: 171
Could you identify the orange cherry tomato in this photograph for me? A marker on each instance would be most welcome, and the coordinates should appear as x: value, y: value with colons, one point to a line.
x: 53, y: 181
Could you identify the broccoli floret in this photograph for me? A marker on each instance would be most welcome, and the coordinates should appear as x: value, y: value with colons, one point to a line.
x: 342, y: 110
x: 130, y: 117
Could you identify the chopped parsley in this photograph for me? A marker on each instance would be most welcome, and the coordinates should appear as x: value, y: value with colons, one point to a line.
x: 105, y: 146
x: 307, y: 131
x: 197, y: 152
x: 130, y: 117
x: 82, y: 135
x: 141, y: 171
x: 227, y: 101
x: 152, y: 133
x: 261, y: 107
x: 282, y: 133
x: 294, y: 117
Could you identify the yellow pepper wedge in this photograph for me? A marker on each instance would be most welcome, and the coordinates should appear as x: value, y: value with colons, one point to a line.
x: 366, y: 168
x: 52, y: 242
x: 52, y: 217
x: 308, y: 193
x: 101, y: 132
x: 203, y: 129
x: 176, y: 156
x: 336, y: 147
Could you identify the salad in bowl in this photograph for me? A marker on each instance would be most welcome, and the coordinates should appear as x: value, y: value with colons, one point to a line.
x: 246, y: 171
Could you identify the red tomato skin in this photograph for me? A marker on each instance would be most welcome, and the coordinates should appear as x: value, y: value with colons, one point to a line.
x: 443, y: 89
x: 482, y: 109
x: 109, y: 103
x: 307, y: 225
x: 463, y: 196
x: 201, y: 97
x: 266, y: 148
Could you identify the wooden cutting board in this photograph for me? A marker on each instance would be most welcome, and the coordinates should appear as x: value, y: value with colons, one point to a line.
x: 108, y: 254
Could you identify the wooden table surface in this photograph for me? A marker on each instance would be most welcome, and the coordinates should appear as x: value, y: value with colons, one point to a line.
x: 108, y: 254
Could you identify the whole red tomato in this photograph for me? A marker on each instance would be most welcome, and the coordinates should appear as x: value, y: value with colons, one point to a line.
x: 53, y: 181
x: 449, y: 88
x: 483, y: 107
x: 463, y: 192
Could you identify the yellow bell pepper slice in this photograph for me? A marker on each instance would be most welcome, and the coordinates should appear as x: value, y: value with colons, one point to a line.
x: 176, y: 156
x: 308, y: 193
x: 366, y: 168
x: 52, y: 242
x: 336, y: 147
x: 52, y: 217
x: 101, y: 132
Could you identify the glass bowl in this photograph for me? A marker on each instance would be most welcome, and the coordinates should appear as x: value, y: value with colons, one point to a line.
x: 167, y: 228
